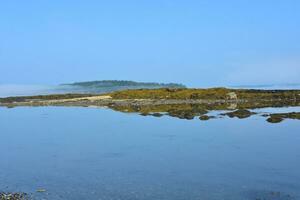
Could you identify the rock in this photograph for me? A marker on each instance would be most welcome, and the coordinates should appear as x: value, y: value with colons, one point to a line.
x: 232, y: 106
x: 205, y: 117
x: 232, y: 95
x: 157, y: 114
x: 189, y: 116
x: 241, y: 114
x: 144, y: 114
x: 279, y: 117
x: 41, y: 190
x: 274, y: 119
x: 182, y: 114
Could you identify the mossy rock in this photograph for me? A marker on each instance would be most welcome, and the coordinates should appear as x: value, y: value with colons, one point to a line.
x: 182, y: 114
x: 206, y: 117
x: 274, y: 119
x: 210, y: 93
x: 291, y: 115
x: 241, y: 114
x: 279, y: 117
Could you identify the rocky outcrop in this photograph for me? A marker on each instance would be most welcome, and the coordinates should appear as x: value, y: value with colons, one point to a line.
x: 232, y: 96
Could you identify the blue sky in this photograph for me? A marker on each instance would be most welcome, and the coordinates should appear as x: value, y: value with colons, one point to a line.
x: 199, y: 43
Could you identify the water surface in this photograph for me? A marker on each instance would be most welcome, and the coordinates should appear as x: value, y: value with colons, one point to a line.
x: 90, y: 153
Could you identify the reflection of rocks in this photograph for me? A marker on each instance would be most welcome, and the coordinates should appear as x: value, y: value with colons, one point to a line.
x: 157, y: 114
x: 241, y: 114
x: 180, y: 103
x: 190, y: 111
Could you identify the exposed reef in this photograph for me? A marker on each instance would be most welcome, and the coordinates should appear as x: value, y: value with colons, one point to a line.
x: 175, y: 102
x: 211, y: 94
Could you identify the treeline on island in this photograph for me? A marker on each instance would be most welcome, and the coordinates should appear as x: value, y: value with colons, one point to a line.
x: 124, y: 83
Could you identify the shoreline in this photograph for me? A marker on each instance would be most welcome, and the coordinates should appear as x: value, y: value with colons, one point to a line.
x: 165, y: 96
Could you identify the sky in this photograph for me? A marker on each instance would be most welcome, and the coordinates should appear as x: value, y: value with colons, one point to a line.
x: 198, y: 43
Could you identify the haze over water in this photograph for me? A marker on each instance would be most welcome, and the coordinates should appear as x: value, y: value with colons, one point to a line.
x: 8, y: 90
x: 85, y: 153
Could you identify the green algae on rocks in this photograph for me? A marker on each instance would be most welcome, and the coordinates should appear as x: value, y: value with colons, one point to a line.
x: 279, y: 117
x: 206, y: 117
x: 241, y: 114
x: 211, y: 93
x: 181, y: 103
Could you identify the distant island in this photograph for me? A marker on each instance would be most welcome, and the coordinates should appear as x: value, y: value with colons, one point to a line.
x: 111, y: 83
x: 270, y: 86
x: 122, y: 84
x: 88, y: 87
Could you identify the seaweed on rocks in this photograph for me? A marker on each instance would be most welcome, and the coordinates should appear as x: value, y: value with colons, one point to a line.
x: 206, y: 117
x: 279, y: 117
x: 241, y: 114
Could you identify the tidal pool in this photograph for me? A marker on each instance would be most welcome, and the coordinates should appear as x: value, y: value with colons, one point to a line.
x: 100, y: 154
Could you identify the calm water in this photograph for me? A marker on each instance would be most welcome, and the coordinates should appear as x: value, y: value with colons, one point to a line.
x: 88, y: 153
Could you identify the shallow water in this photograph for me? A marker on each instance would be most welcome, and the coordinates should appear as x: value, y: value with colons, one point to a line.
x: 89, y: 153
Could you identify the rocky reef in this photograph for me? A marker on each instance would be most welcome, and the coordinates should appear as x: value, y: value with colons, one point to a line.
x: 181, y: 103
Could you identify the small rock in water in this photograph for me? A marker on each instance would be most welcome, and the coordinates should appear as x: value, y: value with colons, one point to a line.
x: 274, y: 119
x: 204, y: 117
x: 241, y: 113
x: 41, y: 190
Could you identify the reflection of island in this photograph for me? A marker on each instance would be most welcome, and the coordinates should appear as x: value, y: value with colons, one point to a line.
x: 181, y: 103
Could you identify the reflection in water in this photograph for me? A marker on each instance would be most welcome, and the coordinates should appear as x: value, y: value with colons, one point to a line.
x: 85, y: 153
x: 190, y: 111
